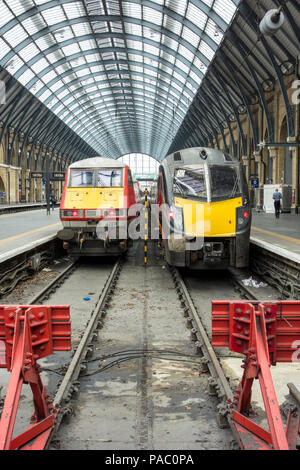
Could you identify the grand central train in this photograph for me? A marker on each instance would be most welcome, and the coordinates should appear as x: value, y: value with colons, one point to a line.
x: 204, y: 213
x: 95, y: 207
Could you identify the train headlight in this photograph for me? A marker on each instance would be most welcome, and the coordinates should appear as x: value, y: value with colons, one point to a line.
x: 72, y: 213
x: 175, y: 217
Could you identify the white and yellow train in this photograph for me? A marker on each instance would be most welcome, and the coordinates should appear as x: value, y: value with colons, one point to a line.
x: 203, y: 195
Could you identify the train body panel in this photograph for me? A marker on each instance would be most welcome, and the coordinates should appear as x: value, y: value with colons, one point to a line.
x: 203, y: 196
x: 94, y: 211
x: 217, y: 219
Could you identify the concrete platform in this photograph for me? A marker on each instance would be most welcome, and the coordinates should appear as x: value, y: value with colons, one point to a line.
x: 281, y: 236
x: 21, y: 207
x: 26, y: 230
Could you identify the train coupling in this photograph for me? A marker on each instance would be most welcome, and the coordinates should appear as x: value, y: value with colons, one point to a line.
x: 213, y: 252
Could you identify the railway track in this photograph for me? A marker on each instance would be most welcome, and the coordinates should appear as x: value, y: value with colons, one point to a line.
x: 148, y: 356
x: 134, y: 363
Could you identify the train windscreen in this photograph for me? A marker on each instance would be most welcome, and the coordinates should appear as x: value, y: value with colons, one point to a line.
x: 81, y: 179
x: 190, y: 182
x: 225, y: 182
x: 109, y: 178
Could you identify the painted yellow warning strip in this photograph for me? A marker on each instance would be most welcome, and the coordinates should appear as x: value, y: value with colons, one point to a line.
x: 31, y: 232
x: 277, y: 235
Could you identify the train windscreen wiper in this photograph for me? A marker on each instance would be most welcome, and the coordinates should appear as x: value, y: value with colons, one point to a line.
x: 178, y: 185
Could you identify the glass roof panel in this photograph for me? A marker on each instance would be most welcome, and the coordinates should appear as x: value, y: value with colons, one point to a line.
x: 141, y: 63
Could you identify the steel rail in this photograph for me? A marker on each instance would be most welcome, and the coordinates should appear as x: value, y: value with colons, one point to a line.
x: 74, y: 368
x: 46, y: 291
x: 213, y: 363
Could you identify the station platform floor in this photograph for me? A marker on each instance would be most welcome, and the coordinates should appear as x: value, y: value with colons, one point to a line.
x: 282, y: 235
x: 22, y: 230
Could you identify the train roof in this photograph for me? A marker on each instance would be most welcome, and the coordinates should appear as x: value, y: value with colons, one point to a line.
x: 98, y: 162
x: 196, y: 155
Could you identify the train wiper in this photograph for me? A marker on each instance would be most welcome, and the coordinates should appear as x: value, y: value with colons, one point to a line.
x: 235, y: 187
x: 178, y: 185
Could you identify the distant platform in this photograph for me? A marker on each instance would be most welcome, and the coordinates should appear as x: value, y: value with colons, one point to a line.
x: 21, y: 207
x: 26, y: 230
x: 281, y: 236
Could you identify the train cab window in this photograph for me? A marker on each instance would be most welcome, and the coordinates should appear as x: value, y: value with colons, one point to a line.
x: 190, y: 182
x: 81, y: 179
x: 130, y: 180
x: 225, y: 182
x: 109, y: 178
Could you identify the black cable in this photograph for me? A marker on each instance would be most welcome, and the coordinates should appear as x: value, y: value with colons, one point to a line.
x: 126, y: 359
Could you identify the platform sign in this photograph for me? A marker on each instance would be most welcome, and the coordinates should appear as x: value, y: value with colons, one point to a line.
x: 2, y: 194
x: 36, y: 174
x: 254, y: 183
x: 58, y: 176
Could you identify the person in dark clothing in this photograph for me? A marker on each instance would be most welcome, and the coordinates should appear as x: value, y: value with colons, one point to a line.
x: 277, y: 196
x: 52, y: 200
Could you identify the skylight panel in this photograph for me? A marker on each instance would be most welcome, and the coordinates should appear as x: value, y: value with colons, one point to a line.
x: 190, y: 36
x: 214, y: 31
x: 53, y: 15
x: 74, y: 10
x: 5, y: 14
x: 172, y: 25
x: 196, y: 16
x: 71, y: 49
x: 15, y: 35
x: 29, y: 52
x: 179, y: 6
x: 45, y: 95
x: 87, y: 45
x: 149, y: 14
x: 4, y: 48
x: 14, y: 64
x: 33, y: 24
x: 225, y: 9
x: 206, y: 50
x: 26, y: 77
x: 45, y: 42
x: 132, y: 9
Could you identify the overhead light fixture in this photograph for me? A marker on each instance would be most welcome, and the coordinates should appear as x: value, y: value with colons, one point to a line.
x: 272, y: 22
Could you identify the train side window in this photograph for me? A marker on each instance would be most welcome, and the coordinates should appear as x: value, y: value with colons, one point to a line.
x: 130, y: 180
x: 81, y: 179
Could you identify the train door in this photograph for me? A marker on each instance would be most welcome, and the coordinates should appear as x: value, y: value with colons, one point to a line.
x: 131, y: 195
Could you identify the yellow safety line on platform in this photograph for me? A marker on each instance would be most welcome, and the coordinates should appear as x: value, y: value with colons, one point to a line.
x: 31, y: 232
x: 277, y: 235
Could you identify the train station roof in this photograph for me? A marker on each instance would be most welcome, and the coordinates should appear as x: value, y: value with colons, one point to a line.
x: 121, y: 75
x: 145, y: 76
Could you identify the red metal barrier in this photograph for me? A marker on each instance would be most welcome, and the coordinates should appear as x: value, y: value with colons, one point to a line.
x: 266, y: 333
x: 29, y: 333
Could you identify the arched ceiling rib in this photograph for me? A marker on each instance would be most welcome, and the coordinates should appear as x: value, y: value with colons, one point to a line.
x: 245, y: 70
x: 121, y: 74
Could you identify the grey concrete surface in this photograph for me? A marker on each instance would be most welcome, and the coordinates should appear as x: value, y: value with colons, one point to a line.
x: 145, y: 402
x: 26, y: 230
x: 282, y: 233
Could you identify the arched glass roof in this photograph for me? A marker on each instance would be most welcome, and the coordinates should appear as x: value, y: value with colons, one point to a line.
x: 121, y: 74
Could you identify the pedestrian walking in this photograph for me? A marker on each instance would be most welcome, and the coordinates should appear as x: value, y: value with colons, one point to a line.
x: 52, y: 200
x: 277, y: 196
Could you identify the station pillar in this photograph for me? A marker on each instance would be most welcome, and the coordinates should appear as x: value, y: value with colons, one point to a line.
x: 245, y: 160
x: 274, y: 155
x: 260, y: 169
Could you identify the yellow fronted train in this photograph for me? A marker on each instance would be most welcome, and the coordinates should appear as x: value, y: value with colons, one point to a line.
x: 203, y: 209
